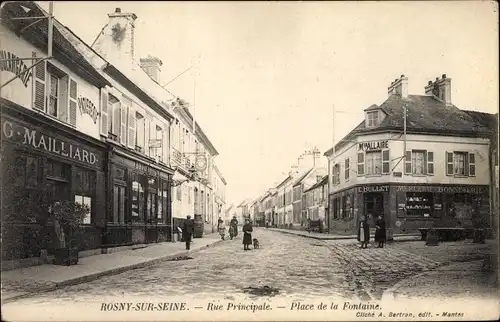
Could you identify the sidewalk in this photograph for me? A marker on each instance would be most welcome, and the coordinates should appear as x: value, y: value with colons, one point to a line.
x: 23, y: 282
x: 315, y: 235
x: 458, y: 280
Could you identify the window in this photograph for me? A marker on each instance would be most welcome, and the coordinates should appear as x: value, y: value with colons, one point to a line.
x: 53, y: 95
x: 138, y: 198
x: 361, y: 163
x: 336, y: 174
x: 346, y: 170
x: 159, y: 140
x: 460, y: 164
x: 58, y: 171
x: 373, y: 163
x: 139, y: 132
x: 88, y: 202
x: 372, y: 118
x: 84, y: 188
x: 418, y: 161
x: 114, y: 122
x: 163, y: 203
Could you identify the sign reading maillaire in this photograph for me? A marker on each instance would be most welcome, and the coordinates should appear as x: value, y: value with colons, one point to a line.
x: 15, y: 132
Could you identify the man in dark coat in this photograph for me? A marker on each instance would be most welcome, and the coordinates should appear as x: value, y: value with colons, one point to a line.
x: 380, y: 234
x: 234, y: 224
x: 247, y: 234
x: 187, y: 231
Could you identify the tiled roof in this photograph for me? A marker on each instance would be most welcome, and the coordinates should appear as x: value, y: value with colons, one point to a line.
x: 320, y: 183
x: 302, y: 177
x: 425, y: 114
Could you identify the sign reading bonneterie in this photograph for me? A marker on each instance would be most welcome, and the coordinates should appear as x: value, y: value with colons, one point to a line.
x: 25, y: 135
x: 373, y: 146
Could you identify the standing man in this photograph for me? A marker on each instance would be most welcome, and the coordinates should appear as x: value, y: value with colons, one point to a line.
x: 234, y: 224
x: 188, y: 230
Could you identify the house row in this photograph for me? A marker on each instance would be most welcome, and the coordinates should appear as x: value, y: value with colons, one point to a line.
x: 418, y: 160
x: 91, y: 124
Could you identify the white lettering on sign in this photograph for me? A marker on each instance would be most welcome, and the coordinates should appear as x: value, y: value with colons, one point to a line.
x: 87, y: 107
x: 442, y: 189
x: 26, y: 136
x: 15, y: 66
x: 373, y: 146
x: 373, y: 189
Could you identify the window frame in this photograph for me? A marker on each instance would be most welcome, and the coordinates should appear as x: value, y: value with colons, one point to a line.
x: 346, y: 169
x: 373, y: 153
x: 52, y: 75
x: 372, y: 122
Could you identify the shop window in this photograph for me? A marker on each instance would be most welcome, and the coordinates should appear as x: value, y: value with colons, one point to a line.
x: 373, y: 163
x: 57, y: 170
x: 88, y: 202
x: 419, y: 204
x: 119, y: 203
x: 152, y: 201
x: 137, y: 204
x: 460, y: 164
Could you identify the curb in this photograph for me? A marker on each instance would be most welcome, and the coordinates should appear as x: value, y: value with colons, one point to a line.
x: 115, y: 271
x: 341, y: 237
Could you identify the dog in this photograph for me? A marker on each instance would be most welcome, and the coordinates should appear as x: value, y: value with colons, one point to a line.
x: 255, y: 243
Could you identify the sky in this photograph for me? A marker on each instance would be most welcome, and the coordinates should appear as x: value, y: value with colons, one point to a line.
x: 269, y: 73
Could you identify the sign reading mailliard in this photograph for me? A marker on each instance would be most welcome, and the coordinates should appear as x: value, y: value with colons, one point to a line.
x: 373, y: 146
x: 27, y: 136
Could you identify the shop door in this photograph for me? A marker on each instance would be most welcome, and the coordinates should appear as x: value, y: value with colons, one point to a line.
x: 374, y: 205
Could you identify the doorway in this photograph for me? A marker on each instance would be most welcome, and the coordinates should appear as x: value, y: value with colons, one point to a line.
x: 374, y: 204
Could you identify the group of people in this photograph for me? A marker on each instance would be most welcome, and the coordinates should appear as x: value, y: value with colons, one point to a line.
x: 188, y: 230
x: 364, y: 232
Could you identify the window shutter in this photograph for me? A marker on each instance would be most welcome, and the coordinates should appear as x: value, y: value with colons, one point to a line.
x: 466, y: 163
x: 385, y: 162
x: 361, y: 163
x: 73, y: 93
x: 40, y: 73
x: 449, y: 163
x: 104, y: 112
x: 62, y: 111
x: 346, y: 174
x: 408, y: 162
x: 131, y: 126
x: 472, y: 165
x: 430, y: 163
x: 117, y: 119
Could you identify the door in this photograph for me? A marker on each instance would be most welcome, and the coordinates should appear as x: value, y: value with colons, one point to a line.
x: 374, y: 204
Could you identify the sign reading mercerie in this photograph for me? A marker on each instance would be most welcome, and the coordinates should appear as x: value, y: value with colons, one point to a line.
x: 373, y: 146
x: 11, y: 63
x: 26, y: 136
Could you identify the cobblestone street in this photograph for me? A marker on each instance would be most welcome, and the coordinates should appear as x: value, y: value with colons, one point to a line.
x: 286, y: 266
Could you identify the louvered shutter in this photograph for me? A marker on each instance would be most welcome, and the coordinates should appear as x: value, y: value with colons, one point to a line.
x: 104, y: 112
x: 123, y: 122
x: 430, y: 163
x: 39, y: 94
x: 449, y: 163
x: 131, y: 127
x: 361, y: 163
x: 408, y: 156
x: 73, y: 93
x: 472, y: 165
x: 386, y: 162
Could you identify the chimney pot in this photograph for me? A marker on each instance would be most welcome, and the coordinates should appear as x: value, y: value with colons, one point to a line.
x: 444, y: 76
x: 437, y: 78
x: 402, y: 75
x: 395, y: 80
x: 430, y: 83
x: 118, y: 10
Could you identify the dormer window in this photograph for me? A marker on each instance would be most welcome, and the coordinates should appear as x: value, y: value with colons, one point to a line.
x: 372, y: 118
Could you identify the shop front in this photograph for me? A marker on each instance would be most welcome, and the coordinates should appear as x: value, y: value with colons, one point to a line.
x: 139, y: 211
x: 407, y: 207
x: 45, y: 162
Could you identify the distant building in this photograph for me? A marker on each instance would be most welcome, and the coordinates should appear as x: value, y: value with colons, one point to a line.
x: 317, y: 200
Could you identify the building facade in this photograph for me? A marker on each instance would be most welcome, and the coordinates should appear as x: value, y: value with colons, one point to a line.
x: 219, y: 184
x: 437, y: 173
x: 302, y: 183
x: 317, y: 200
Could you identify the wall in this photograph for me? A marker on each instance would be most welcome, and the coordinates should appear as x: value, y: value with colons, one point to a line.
x: 22, y: 93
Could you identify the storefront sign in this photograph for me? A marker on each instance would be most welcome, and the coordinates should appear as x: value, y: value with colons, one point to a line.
x: 442, y: 189
x: 365, y: 189
x: 373, y: 146
x: 27, y: 136
x: 87, y: 107
x: 15, y: 66
x: 145, y: 168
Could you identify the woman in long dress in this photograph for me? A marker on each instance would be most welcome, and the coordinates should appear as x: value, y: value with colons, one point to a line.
x: 247, y: 235
x: 380, y: 235
x: 364, y: 232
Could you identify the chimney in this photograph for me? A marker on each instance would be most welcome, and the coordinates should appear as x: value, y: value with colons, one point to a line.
x: 440, y: 89
x: 116, y: 41
x: 151, y: 65
x: 399, y: 87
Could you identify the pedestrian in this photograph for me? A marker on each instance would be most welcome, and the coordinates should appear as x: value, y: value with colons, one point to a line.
x: 234, y: 224
x: 188, y: 231
x: 364, y: 232
x: 247, y: 234
x: 380, y: 235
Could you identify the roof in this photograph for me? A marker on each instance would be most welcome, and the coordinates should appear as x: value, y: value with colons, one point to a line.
x: 320, y: 183
x: 288, y: 178
x: 37, y: 34
x: 200, y: 132
x: 425, y: 114
x: 488, y: 120
x: 302, y: 177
